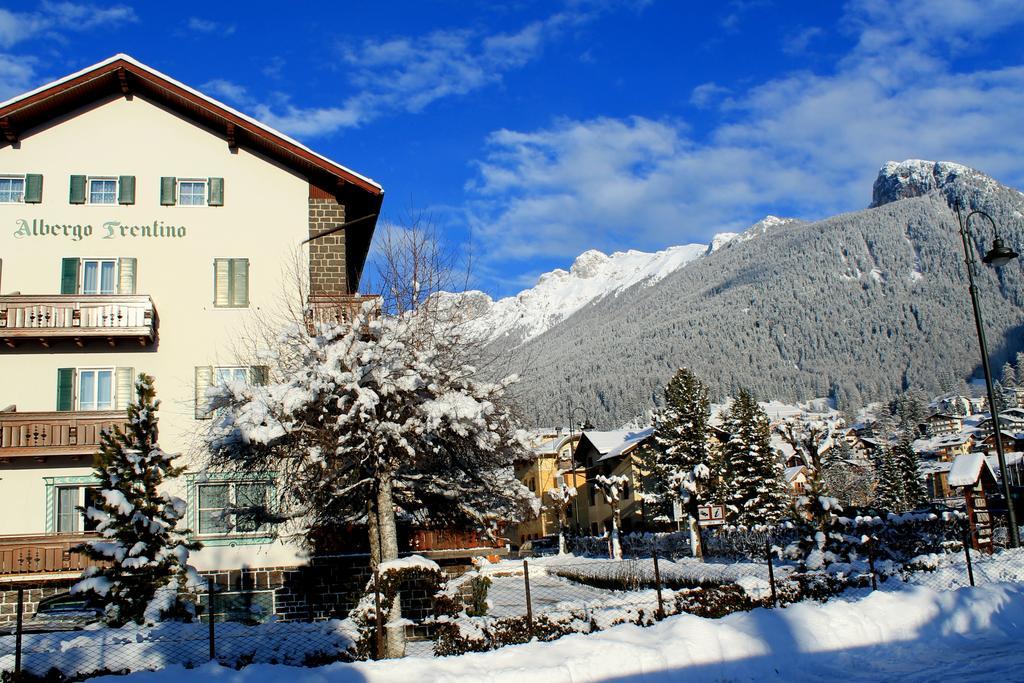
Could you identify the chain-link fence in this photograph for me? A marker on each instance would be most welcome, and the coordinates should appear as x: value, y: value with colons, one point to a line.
x: 512, y: 601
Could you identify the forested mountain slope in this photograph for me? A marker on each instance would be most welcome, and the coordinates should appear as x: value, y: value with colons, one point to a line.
x: 856, y: 307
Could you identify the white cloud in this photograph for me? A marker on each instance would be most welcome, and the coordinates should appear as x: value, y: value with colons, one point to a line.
x: 55, y: 17
x: 805, y: 143
x: 16, y: 75
x: 407, y: 74
x: 200, y: 25
x: 228, y: 91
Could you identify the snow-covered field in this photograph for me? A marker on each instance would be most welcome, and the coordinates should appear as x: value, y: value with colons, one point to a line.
x: 912, y: 634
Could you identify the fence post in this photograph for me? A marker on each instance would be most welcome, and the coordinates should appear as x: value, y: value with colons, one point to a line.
x: 657, y: 580
x: 211, y: 592
x: 379, y: 618
x: 529, y: 600
x: 871, y: 562
x: 967, y: 554
x: 18, y: 628
x: 771, y: 572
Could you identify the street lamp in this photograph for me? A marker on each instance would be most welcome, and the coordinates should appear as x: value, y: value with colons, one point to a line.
x: 585, y: 424
x: 998, y: 256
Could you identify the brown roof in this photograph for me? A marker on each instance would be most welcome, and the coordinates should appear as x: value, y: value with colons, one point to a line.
x: 123, y: 74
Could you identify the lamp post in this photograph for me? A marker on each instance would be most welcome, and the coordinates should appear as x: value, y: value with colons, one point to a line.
x: 998, y: 256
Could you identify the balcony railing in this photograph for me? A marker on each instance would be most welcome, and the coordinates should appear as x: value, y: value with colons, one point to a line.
x: 40, y: 435
x: 334, y: 310
x: 42, y: 554
x: 75, y: 317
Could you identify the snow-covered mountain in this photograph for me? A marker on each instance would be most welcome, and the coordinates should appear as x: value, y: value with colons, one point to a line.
x: 560, y: 293
x: 593, y: 276
x: 855, y: 307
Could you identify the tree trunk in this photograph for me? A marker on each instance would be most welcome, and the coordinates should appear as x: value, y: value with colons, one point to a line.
x: 616, y: 519
x: 695, y: 540
x: 387, y: 538
x: 561, y: 530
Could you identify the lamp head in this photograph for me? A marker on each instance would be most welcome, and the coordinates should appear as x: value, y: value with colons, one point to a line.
x: 1000, y: 254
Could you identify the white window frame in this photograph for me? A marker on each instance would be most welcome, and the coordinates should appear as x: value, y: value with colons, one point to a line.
x: 201, y: 181
x: 79, y: 517
x: 101, y: 178
x: 231, y: 524
x: 21, y: 197
x: 78, y: 388
x: 218, y: 369
x: 100, y: 262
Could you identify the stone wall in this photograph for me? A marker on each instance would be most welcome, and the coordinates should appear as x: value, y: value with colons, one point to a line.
x: 34, y: 594
x: 328, y: 271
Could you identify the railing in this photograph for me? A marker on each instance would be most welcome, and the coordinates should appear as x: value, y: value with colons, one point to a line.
x: 449, y: 539
x: 76, y: 317
x: 337, y: 309
x: 56, y: 433
x: 42, y: 554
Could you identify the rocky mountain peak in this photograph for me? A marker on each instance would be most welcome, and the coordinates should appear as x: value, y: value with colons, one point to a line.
x: 916, y: 177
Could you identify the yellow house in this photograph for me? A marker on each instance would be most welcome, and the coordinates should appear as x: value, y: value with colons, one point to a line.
x: 612, y: 453
x: 549, y: 464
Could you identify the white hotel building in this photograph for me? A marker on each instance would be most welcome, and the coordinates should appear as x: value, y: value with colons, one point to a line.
x: 143, y: 226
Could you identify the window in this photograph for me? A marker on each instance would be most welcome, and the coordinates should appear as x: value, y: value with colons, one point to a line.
x: 96, y: 389
x: 192, y: 192
x: 250, y: 607
x: 12, y: 190
x: 99, y: 276
x: 231, y: 282
x: 225, y: 375
x: 233, y: 507
x: 102, y: 190
x: 68, y: 499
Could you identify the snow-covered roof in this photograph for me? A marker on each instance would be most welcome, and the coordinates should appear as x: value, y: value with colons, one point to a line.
x: 612, y: 444
x: 68, y: 81
x: 967, y: 468
x: 792, y: 473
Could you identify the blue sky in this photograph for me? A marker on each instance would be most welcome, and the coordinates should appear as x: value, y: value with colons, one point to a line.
x: 531, y: 131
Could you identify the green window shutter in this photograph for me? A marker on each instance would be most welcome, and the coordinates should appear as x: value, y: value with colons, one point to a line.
x: 240, y: 282
x: 215, y: 194
x: 167, y: 191
x: 124, y: 387
x: 33, y: 188
x: 77, y: 194
x: 222, y: 282
x: 69, y: 276
x: 126, y: 275
x: 65, y: 389
x: 126, y: 189
x: 204, y: 380
x: 259, y: 375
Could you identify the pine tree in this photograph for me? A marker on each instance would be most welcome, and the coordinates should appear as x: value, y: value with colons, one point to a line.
x: 906, y: 463
x: 679, y: 463
x: 889, y: 492
x: 756, y: 493
x: 147, y: 554
x: 1009, y: 375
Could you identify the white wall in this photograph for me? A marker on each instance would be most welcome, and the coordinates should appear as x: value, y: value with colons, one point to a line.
x: 264, y: 219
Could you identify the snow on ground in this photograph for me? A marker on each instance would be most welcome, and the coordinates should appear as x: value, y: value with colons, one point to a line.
x: 914, y: 634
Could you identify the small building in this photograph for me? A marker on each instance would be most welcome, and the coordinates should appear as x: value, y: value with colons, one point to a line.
x: 796, y: 480
x: 612, y: 453
x: 941, y: 424
x: 972, y: 475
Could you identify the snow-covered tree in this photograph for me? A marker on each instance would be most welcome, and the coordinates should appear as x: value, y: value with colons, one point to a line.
x: 137, y: 524
x: 678, y: 466
x: 756, y: 493
x: 1009, y: 375
x: 381, y: 418
x: 810, y: 437
x: 561, y: 497
x: 611, y: 487
x: 848, y: 479
x: 899, y: 484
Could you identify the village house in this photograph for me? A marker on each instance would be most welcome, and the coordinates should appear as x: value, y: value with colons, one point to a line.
x: 143, y: 227
x: 548, y: 465
x: 612, y: 453
x: 941, y: 424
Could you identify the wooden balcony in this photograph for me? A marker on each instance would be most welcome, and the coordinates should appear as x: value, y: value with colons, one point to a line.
x: 45, y: 554
x: 78, y: 318
x: 335, y: 310
x: 39, y: 435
